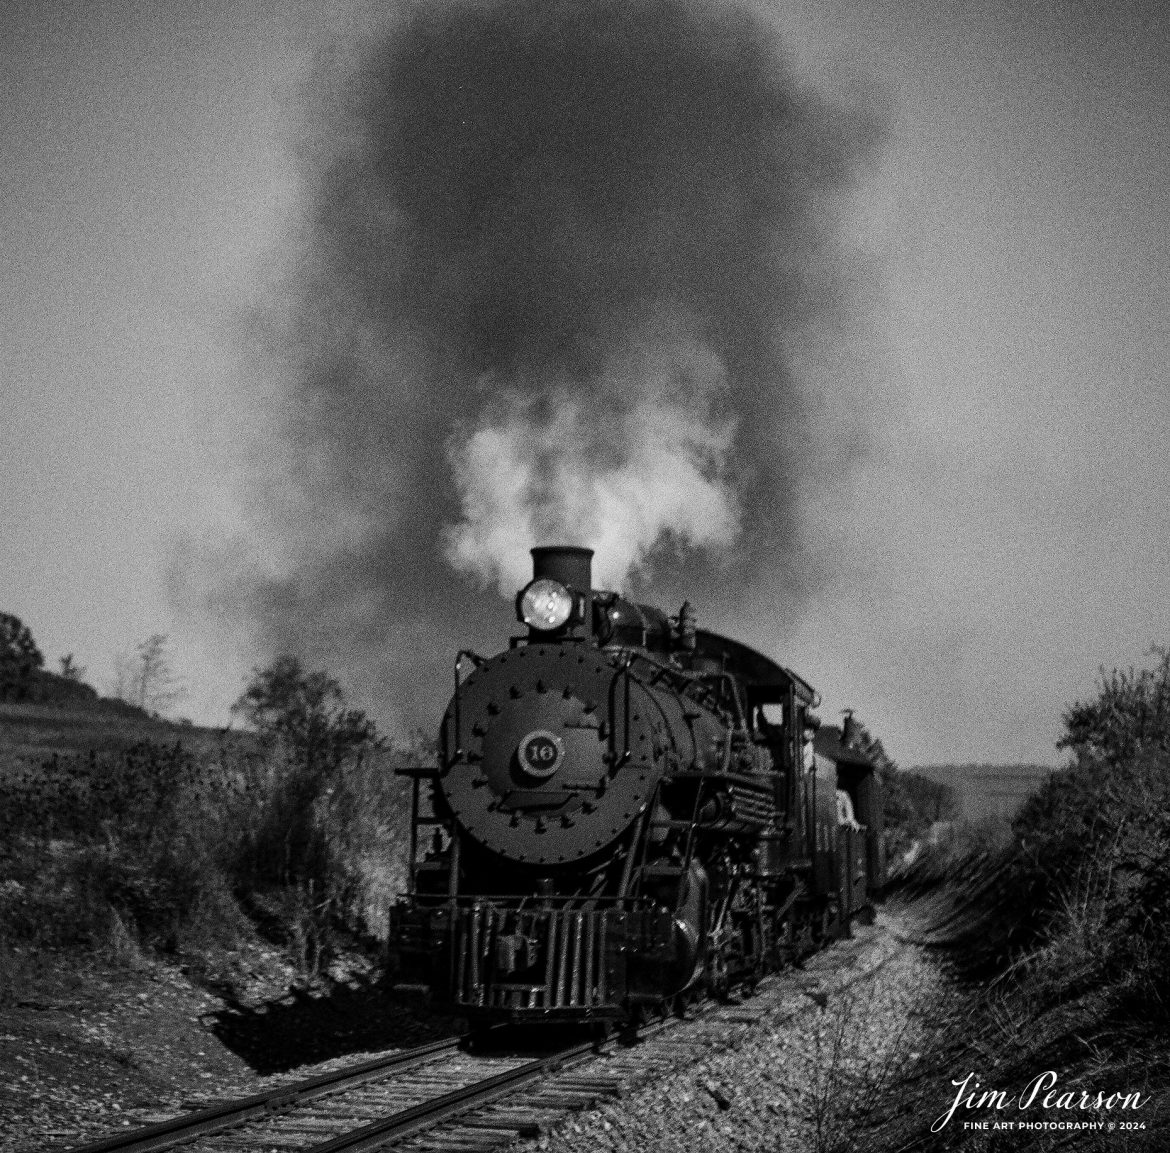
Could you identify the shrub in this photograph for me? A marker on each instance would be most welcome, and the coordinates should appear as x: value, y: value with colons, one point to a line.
x: 19, y: 658
x: 1130, y: 715
x: 912, y: 803
x: 1107, y: 816
x: 327, y: 824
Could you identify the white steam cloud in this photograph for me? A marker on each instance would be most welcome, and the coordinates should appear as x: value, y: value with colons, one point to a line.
x: 620, y: 478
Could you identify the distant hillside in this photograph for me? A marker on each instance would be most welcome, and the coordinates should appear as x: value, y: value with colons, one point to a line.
x: 983, y: 791
x: 50, y: 689
x: 32, y: 732
x: 40, y: 687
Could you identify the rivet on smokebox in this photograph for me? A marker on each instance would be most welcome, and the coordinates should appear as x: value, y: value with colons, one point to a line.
x: 568, y: 693
x: 493, y: 708
x: 541, y: 687
x: 514, y: 692
x: 478, y: 730
x: 540, y: 824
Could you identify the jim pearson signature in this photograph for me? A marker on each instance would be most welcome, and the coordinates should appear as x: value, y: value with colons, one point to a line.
x: 1041, y: 1090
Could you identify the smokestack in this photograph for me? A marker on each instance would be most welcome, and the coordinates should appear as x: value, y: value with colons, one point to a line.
x: 569, y: 564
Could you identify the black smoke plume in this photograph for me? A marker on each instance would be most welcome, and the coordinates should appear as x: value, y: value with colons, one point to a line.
x: 555, y: 261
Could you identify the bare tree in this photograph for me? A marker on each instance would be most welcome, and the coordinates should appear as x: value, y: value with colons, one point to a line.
x: 148, y: 679
x: 71, y: 670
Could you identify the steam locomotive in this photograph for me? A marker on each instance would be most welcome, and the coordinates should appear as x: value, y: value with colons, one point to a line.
x: 627, y: 812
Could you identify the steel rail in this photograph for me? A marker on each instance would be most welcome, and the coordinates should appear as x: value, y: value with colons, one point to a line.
x: 229, y: 1114
x: 427, y: 1114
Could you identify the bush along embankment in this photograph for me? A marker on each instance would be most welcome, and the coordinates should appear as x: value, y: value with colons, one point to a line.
x: 1060, y: 931
x: 288, y: 837
x: 913, y: 804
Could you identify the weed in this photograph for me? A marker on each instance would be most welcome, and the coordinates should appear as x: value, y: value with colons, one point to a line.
x: 853, y: 1065
x: 178, y: 850
x: 18, y: 972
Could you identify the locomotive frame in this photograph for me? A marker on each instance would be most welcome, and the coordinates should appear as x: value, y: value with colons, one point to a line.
x: 627, y: 812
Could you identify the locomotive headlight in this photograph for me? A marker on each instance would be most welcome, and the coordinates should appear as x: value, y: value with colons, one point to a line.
x: 545, y: 605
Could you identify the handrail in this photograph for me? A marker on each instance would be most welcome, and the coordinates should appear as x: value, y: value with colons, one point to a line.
x: 622, y: 670
x: 479, y: 662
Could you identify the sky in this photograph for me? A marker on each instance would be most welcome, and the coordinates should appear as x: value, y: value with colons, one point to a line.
x: 1003, y: 534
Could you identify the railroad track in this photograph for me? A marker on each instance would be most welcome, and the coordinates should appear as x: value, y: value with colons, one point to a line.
x: 377, y: 1104
x: 437, y: 1097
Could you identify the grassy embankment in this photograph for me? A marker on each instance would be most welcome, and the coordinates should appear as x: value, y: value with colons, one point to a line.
x: 1059, y: 929
x: 121, y: 835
